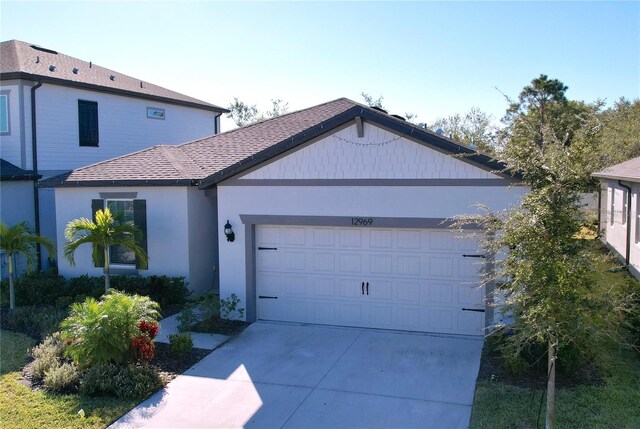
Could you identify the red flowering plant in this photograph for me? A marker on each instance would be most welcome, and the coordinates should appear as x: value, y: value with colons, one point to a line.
x: 142, y: 345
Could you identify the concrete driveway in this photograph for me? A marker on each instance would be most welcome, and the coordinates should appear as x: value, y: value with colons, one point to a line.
x: 277, y: 375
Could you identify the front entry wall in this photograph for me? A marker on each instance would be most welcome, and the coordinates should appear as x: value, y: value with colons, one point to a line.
x: 407, y: 279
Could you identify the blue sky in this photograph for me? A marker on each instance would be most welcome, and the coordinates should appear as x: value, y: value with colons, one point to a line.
x: 429, y: 58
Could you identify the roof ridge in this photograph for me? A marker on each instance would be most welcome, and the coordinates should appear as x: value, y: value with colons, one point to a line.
x: 246, y: 127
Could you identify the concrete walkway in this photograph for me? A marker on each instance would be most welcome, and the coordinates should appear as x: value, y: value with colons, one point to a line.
x: 169, y: 326
x: 293, y: 376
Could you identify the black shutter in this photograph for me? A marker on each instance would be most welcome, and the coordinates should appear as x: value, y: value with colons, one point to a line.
x: 95, y: 206
x: 140, y: 220
x: 88, y: 123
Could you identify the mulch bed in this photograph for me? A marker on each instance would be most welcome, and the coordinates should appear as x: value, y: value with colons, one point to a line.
x: 493, y: 368
x: 169, y: 365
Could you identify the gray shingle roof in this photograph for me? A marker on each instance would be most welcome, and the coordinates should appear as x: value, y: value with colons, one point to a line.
x: 207, y: 161
x: 23, y: 60
x: 10, y: 172
x: 628, y: 170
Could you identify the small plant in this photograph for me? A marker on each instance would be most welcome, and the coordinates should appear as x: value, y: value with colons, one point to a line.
x: 143, y: 348
x: 62, y: 378
x: 47, y: 355
x: 101, y: 332
x: 126, y: 381
x: 181, y: 344
x: 229, y: 307
x: 187, y: 319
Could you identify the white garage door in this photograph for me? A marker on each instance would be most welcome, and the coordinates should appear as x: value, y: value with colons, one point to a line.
x: 407, y: 279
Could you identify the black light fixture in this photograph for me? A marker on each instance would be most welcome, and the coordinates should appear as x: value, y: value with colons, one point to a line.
x: 231, y: 236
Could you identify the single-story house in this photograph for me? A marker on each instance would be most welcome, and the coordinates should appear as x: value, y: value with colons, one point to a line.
x: 619, y: 214
x: 336, y: 214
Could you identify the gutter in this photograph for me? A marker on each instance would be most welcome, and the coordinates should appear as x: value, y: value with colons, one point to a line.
x: 34, y: 167
x: 628, y: 221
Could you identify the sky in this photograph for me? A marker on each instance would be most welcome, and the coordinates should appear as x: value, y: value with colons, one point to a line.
x: 432, y: 59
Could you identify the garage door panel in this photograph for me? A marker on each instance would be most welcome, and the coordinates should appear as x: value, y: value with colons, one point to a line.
x: 418, y: 279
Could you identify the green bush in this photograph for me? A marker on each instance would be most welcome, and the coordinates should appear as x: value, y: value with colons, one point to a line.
x: 634, y: 316
x: 44, y: 364
x: 181, y: 344
x: 127, y: 381
x: 229, y: 307
x: 35, y: 321
x: 49, y: 288
x: 63, y: 378
x: 100, y: 332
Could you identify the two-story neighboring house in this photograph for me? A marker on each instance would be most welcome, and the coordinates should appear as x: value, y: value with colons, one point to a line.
x: 58, y: 113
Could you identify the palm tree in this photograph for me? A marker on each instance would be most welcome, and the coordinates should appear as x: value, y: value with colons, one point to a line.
x: 105, y: 232
x: 19, y: 239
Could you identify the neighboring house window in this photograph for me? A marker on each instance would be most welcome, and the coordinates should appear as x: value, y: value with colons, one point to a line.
x: 132, y: 211
x: 625, y: 206
x: 88, y: 123
x: 612, y: 205
x: 638, y: 218
x: 4, y: 113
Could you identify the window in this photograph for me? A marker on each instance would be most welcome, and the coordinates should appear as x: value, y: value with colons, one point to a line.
x: 638, y: 217
x: 625, y: 206
x: 4, y: 113
x: 612, y: 207
x: 126, y: 210
x: 123, y: 211
x: 88, y: 123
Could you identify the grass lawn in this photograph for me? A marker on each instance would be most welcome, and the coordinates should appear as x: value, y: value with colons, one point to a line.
x: 615, y: 403
x: 22, y: 407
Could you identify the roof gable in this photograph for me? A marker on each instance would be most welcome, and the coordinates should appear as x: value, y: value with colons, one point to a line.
x: 10, y: 172
x: 21, y: 60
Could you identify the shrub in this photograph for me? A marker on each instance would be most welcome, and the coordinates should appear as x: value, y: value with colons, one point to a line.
x: 187, y: 319
x: 36, y: 289
x: 181, y: 344
x: 101, y: 332
x: 37, y: 322
x: 127, y: 381
x: 161, y: 289
x: 62, y: 378
x: 229, y: 307
x: 47, y: 355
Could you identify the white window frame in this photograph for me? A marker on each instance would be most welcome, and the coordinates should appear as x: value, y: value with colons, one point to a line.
x: 133, y: 265
x: 612, y: 206
x: 625, y: 206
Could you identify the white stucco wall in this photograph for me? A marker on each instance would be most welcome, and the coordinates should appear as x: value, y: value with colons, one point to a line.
x: 615, y: 235
x: 379, y: 154
x: 15, y: 146
x: 167, y: 228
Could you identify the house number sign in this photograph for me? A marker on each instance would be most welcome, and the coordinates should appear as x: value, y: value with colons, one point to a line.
x: 361, y: 221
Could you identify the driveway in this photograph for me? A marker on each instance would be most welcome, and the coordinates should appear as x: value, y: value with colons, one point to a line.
x: 277, y: 375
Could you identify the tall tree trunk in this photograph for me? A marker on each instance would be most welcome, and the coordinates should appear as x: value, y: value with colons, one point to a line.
x: 551, y: 382
x: 12, y: 293
x: 107, y: 279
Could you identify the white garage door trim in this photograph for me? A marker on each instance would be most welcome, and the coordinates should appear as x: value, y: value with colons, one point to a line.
x: 252, y: 221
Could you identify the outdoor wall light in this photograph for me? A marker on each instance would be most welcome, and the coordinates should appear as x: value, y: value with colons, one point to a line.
x: 231, y: 236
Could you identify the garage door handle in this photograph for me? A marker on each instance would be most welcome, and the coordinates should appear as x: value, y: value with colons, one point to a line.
x: 363, y: 288
x: 267, y: 248
x: 479, y: 310
x: 473, y: 256
x: 267, y: 297
x: 367, y: 288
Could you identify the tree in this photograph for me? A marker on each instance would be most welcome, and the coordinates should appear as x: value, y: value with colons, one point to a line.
x: 244, y: 114
x: 372, y: 102
x: 105, y: 232
x: 19, y: 239
x: 472, y: 128
x: 619, y: 132
x: 546, y: 278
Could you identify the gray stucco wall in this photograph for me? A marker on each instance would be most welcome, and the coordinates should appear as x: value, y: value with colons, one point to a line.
x: 16, y: 205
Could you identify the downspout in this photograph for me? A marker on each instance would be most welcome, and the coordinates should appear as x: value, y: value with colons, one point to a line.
x: 628, y: 249
x: 34, y: 154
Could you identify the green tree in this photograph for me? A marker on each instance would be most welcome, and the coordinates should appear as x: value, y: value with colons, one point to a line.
x: 619, y: 132
x: 244, y: 114
x: 546, y: 280
x: 105, y: 232
x: 16, y: 240
x: 472, y: 128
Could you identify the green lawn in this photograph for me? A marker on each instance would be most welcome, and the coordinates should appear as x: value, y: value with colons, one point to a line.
x: 22, y: 407
x: 615, y: 404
